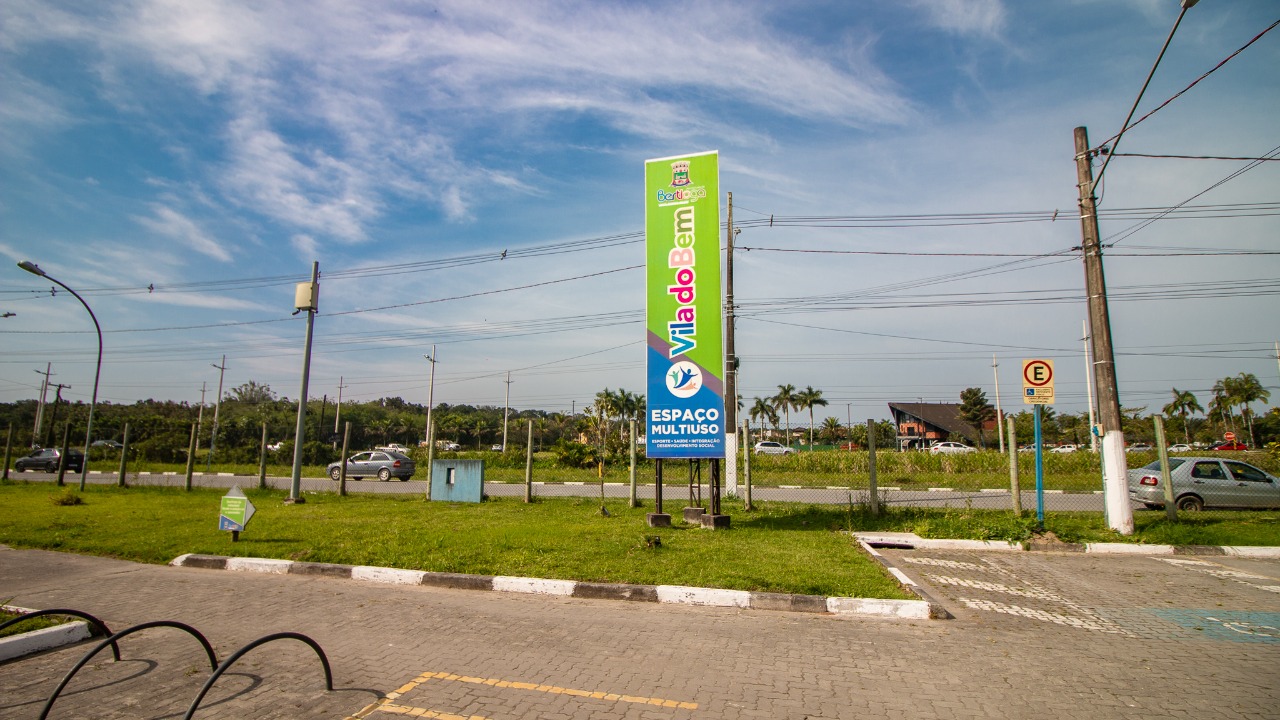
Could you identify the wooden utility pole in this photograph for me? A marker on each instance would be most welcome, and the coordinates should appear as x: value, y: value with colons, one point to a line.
x: 730, y: 366
x: 1116, y: 488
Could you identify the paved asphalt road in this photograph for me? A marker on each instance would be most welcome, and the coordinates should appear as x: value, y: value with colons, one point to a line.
x: 675, y: 493
x: 1035, y: 635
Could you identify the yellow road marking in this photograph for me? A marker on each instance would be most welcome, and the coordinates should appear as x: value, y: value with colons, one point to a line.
x: 385, y: 705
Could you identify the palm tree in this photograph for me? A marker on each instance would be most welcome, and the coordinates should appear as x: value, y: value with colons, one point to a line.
x: 763, y: 409
x: 832, y: 430
x: 1248, y: 390
x: 785, y: 400
x: 1223, y: 402
x: 808, y: 399
x: 1184, y: 401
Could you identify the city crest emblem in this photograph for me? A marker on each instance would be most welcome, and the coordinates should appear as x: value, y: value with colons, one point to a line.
x: 680, y: 174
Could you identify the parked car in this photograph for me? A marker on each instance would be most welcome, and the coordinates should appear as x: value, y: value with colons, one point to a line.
x: 950, y: 448
x: 1064, y: 449
x: 47, y: 460
x: 382, y: 464
x: 1139, y: 447
x: 1180, y: 447
x: 1230, y: 445
x: 769, y: 447
x: 1205, y: 482
x: 393, y: 447
x: 496, y: 447
x: 106, y: 443
x: 1030, y: 447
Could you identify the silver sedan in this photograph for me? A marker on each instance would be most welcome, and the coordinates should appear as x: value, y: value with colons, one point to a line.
x: 1201, y: 482
x: 381, y: 464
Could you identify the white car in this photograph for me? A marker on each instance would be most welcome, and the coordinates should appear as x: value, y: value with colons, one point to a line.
x: 393, y: 447
x: 768, y: 447
x: 950, y: 448
x: 1064, y: 449
x: 1180, y: 447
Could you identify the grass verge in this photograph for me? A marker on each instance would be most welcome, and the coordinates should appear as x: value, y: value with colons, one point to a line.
x: 778, y: 548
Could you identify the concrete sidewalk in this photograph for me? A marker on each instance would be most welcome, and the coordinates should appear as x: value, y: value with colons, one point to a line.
x: 400, y: 650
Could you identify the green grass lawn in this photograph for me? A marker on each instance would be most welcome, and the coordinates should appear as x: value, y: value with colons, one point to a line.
x: 40, y: 623
x: 779, y: 548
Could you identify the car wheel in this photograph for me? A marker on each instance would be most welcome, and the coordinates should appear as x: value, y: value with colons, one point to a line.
x: 336, y: 474
x: 1190, y: 503
x: 384, y: 474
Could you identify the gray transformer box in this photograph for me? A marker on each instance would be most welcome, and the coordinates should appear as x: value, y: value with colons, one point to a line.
x: 457, y: 480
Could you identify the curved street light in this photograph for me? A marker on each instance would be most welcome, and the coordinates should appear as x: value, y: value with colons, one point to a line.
x: 88, y: 430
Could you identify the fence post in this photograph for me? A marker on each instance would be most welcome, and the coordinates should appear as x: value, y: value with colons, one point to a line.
x: 191, y: 456
x: 262, y: 460
x: 746, y: 462
x: 342, y: 471
x: 124, y: 457
x: 62, y: 460
x: 8, y: 447
x: 1170, y: 510
x: 634, y: 503
x: 1015, y: 490
x: 528, y: 467
x: 871, y: 468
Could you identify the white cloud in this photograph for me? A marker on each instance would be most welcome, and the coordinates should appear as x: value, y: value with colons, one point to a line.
x: 174, y: 225
x: 965, y: 17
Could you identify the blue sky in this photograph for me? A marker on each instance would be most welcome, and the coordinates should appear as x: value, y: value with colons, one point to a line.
x: 210, y: 151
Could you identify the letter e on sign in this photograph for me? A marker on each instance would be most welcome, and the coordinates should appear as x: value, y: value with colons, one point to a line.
x: 1037, y: 382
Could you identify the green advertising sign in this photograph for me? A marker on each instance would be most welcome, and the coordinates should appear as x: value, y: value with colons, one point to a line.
x: 685, y: 366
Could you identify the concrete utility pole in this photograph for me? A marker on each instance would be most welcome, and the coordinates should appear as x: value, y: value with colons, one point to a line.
x: 306, y: 297
x: 200, y: 415
x: 338, y: 413
x: 506, y: 408
x: 995, y: 369
x: 1088, y: 384
x: 44, y: 391
x: 431, y: 399
x: 1116, y: 488
x: 730, y: 367
x: 217, y: 405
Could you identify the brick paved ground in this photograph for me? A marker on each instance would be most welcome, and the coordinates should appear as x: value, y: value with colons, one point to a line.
x: 1035, y: 635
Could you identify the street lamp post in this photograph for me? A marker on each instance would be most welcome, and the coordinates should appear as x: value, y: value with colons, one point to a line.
x: 88, y: 430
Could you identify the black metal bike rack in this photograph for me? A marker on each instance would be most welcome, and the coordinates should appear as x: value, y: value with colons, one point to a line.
x: 208, y: 649
x: 97, y: 624
x: 217, y: 673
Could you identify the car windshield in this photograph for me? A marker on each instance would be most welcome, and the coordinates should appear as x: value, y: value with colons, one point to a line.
x: 1155, y: 464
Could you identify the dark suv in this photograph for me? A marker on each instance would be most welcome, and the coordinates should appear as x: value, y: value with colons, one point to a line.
x: 47, y: 460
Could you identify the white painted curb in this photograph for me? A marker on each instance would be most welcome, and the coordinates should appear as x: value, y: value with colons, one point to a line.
x: 533, y: 586
x: 898, y: 538
x: 259, y: 565
x: 390, y: 576
x: 910, y: 609
x: 1127, y: 549
x: 1253, y: 552
x: 178, y: 561
x: 715, y: 597
x: 16, y: 646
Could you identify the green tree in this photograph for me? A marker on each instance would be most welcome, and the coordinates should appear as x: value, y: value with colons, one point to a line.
x: 786, y: 401
x: 1246, y: 390
x: 1184, y: 402
x: 975, y: 410
x: 807, y: 399
x: 832, y: 430
x: 762, y: 409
